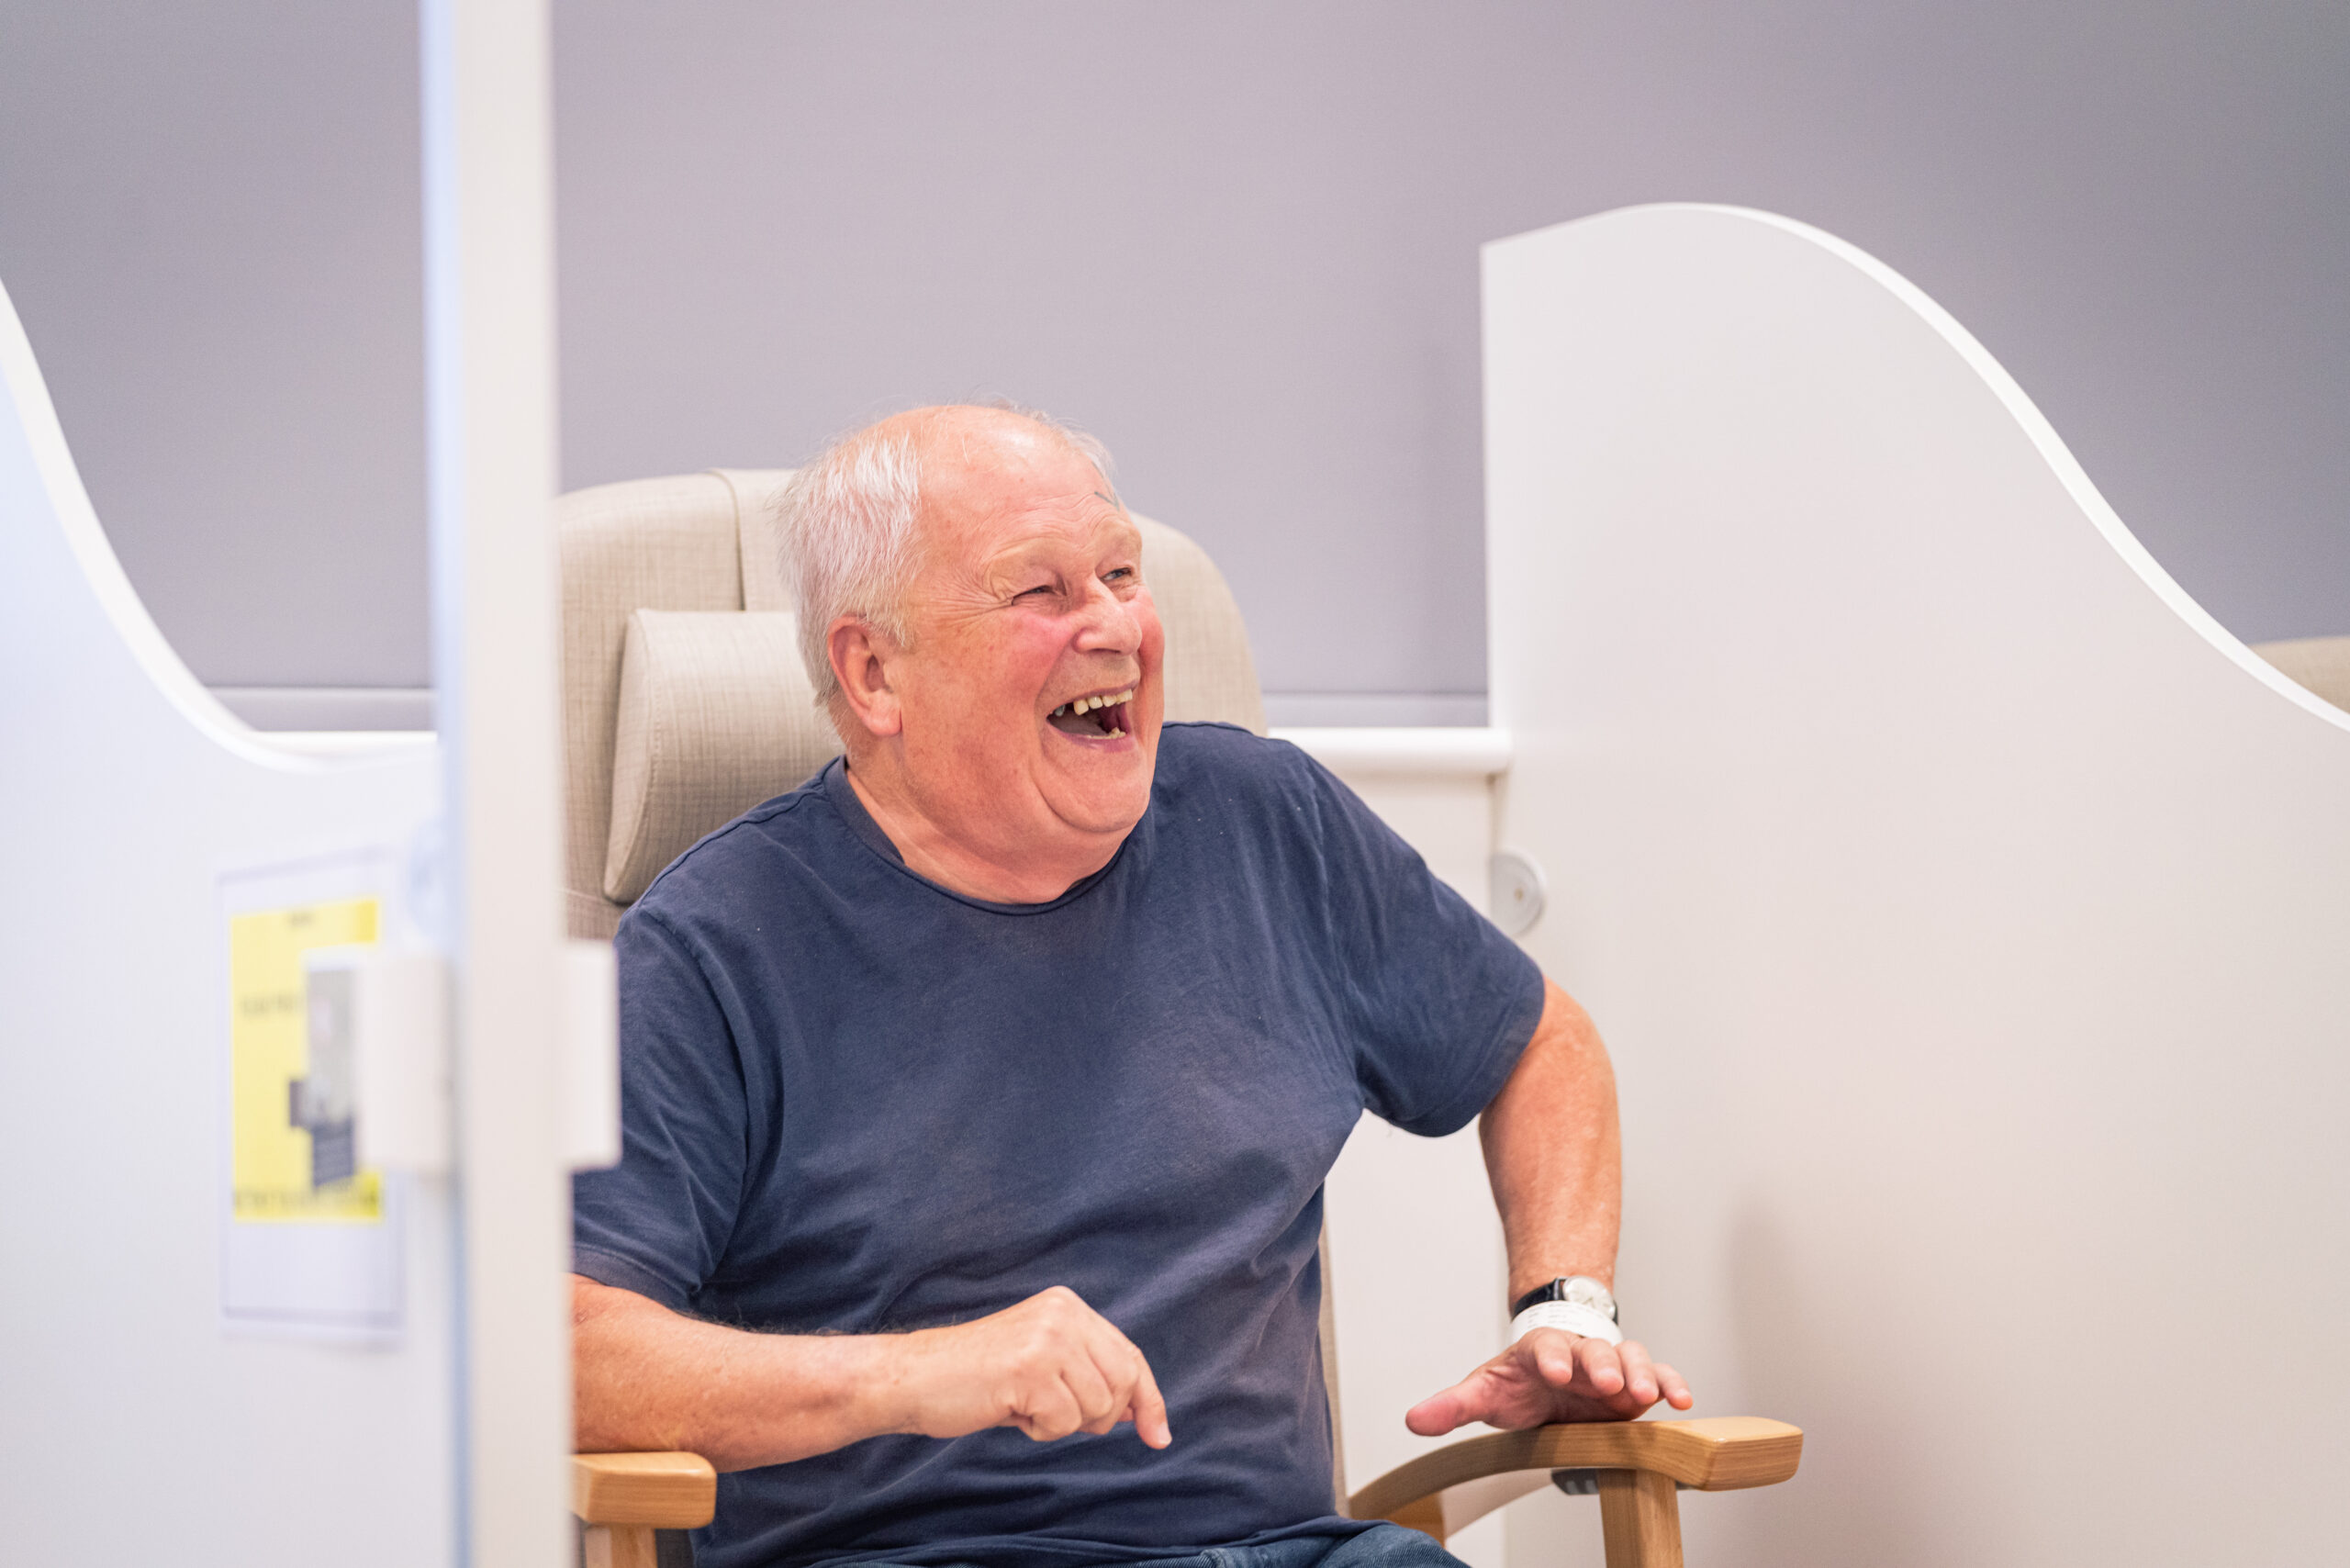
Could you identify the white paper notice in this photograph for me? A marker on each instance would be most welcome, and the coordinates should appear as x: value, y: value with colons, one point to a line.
x: 312, y: 1240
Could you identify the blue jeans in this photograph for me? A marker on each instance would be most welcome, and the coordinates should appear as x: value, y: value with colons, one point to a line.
x: 1382, y: 1546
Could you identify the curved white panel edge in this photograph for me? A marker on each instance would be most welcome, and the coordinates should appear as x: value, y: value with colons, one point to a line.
x: 2043, y: 435
x: 53, y: 459
x: 139, y: 818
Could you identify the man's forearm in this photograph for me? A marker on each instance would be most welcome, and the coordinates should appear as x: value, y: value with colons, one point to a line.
x: 1553, y: 1153
x: 646, y: 1378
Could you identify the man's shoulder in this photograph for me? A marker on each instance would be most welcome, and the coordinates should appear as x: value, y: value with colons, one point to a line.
x: 774, y: 843
x: 1210, y: 752
x: 1225, y: 775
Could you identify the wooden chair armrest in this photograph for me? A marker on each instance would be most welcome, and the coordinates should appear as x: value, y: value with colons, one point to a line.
x: 1443, y: 1491
x: 655, y: 1491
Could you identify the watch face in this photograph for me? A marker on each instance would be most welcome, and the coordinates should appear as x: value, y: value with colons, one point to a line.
x: 1584, y: 1292
x: 1580, y: 1290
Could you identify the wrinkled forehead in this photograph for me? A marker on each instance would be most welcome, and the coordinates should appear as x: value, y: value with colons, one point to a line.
x: 1005, y: 491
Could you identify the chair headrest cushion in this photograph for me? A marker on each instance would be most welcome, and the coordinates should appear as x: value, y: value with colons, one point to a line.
x: 716, y: 715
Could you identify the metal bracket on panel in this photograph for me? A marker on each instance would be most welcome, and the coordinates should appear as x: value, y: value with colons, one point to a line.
x: 377, y: 1089
x: 1516, y: 892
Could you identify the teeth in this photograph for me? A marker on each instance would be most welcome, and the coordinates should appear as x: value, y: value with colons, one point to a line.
x: 1087, y: 704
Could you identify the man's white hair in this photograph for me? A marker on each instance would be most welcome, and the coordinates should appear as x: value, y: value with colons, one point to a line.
x: 849, y: 521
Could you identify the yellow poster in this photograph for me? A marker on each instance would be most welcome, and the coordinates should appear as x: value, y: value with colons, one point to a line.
x: 290, y: 1142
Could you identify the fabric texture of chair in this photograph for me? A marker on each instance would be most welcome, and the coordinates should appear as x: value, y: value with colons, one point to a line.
x: 1209, y: 672
x: 672, y: 543
x: 2321, y: 663
x: 715, y: 715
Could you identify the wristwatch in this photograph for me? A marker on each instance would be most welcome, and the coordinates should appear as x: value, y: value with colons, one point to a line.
x: 1580, y: 1289
x: 1576, y: 1303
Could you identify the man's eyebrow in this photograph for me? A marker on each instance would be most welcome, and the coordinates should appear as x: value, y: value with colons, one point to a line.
x: 1110, y: 501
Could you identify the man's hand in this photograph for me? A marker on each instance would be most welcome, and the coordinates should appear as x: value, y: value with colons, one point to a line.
x: 1552, y: 1375
x: 1049, y: 1366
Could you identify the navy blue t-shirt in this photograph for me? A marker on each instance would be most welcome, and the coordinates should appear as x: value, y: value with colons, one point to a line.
x: 854, y: 1102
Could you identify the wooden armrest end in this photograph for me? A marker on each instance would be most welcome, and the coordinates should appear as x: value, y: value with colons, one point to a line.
x: 1466, y: 1480
x: 660, y: 1491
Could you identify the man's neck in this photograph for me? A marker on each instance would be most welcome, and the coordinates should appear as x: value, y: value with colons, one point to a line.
x: 930, y: 849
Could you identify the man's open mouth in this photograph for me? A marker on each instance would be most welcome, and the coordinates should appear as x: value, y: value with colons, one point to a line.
x: 1093, y: 718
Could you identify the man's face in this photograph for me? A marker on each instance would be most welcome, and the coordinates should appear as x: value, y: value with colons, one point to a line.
x: 1031, y: 694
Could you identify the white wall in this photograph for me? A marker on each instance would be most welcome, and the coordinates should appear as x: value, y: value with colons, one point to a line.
x: 210, y: 222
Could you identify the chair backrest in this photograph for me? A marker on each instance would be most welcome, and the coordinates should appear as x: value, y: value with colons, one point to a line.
x: 2321, y: 663
x: 691, y: 550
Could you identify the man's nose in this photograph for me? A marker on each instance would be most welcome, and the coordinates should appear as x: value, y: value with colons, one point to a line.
x: 1112, y: 625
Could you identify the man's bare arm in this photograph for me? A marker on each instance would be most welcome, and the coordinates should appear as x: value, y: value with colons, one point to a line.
x: 1555, y: 1158
x: 646, y: 1378
x: 1554, y: 1154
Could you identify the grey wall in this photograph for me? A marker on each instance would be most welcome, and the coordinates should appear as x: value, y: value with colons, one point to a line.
x: 1238, y: 241
x: 209, y: 223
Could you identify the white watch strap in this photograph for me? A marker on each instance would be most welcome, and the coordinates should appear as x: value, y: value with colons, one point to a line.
x: 1572, y: 1316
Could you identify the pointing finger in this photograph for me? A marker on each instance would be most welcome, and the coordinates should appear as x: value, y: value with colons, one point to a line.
x: 1149, y: 1407
x: 1125, y: 1373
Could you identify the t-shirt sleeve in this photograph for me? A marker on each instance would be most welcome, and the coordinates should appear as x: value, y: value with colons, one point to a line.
x: 659, y: 1221
x: 1437, y: 1002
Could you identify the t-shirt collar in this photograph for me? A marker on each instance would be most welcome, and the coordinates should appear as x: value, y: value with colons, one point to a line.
x: 842, y: 796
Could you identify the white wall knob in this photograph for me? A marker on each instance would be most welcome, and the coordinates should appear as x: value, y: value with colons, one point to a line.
x: 1516, y: 891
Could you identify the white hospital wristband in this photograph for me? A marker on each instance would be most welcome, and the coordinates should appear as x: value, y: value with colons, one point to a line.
x: 1572, y: 1316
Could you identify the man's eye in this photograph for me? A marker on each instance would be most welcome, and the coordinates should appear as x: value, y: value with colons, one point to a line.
x: 1119, y: 575
x: 1031, y: 593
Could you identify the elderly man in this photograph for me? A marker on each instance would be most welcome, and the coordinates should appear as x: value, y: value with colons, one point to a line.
x: 979, y: 1092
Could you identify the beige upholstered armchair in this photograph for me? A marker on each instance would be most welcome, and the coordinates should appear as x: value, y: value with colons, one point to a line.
x: 685, y: 705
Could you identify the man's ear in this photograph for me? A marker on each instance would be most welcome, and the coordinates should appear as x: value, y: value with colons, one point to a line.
x: 861, y: 656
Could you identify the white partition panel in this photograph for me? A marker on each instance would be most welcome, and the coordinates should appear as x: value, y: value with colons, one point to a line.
x: 139, y: 1424
x: 490, y: 384
x: 1969, y: 914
